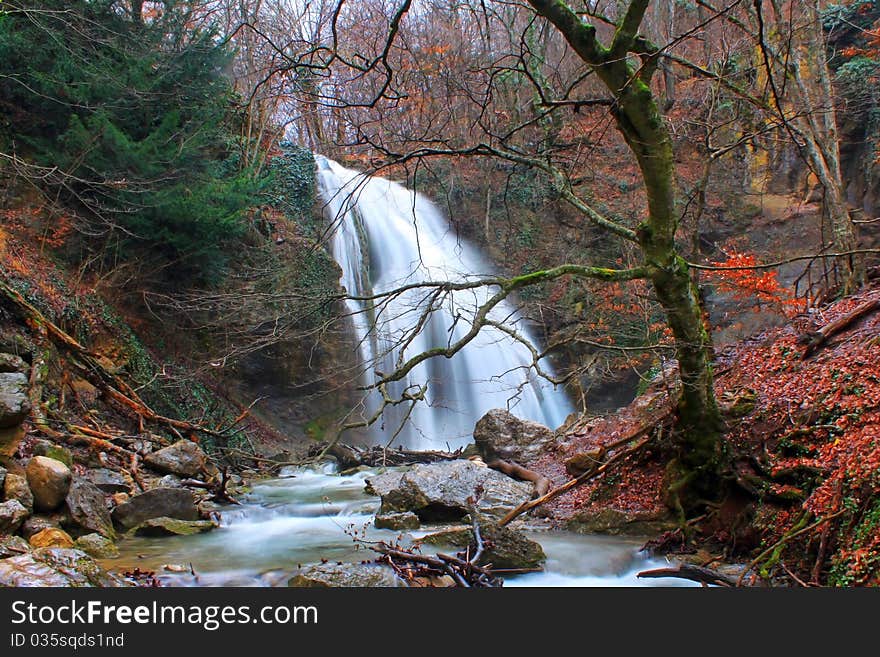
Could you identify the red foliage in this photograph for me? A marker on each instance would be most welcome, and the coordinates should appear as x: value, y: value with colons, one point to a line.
x: 740, y: 277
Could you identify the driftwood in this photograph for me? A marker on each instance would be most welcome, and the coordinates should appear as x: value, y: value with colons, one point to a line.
x: 462, y: 569
x: 693, y: 573
x: 542, y: 483
x: 816, y: 340
x: 349, y: 456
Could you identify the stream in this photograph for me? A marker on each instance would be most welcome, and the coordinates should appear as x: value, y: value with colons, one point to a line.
x: 304, y: 517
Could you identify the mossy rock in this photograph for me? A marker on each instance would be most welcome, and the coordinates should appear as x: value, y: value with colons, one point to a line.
x: 173, y: 527
x: 97, y: 546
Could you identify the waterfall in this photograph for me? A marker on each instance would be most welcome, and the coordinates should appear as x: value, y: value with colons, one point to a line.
x: 386, y: 236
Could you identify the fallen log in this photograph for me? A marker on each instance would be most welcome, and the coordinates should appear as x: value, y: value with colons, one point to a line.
x: 692, y: 573
x: 814, y: 341
x: 349, y: 456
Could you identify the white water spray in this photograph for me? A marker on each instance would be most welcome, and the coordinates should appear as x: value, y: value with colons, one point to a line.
x: 387, y: 236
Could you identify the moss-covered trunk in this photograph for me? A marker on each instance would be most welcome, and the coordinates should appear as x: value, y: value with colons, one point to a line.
x: 639, y: 120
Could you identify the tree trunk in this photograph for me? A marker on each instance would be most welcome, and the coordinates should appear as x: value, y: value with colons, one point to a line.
x: 639, y: 120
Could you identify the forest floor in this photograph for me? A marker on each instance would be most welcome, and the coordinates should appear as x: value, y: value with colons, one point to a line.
x: 803, y: 439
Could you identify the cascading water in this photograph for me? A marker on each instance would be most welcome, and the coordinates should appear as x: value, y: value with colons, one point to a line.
x: 386, y: 236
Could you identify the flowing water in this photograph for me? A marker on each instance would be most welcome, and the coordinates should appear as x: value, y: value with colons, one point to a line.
x: 386, y: 236
x: 304, y: 518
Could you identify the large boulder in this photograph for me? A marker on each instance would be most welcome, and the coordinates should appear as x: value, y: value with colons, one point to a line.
x: 16, y: 488
x: 184, y: 458
x: 87, y: 506
x: 345, y: 576
x: 49, y: 481
x: 110, y: 481
x: 12, y: 515
x: 504, y: 547
x: 157, y: 503
x: 14, y: 402
x: 621, y: 523
x: 501, y: 435
x: 441, y: 491
x: 55, y: 567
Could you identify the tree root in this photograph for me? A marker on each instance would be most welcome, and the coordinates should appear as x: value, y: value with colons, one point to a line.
x: 600, y: 467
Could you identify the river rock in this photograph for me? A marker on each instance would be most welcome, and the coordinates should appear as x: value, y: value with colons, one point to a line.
x: 12, y: 515
x: 110, y: 481
x: 97, y: 546
x: 36, y: 524
x: 53, y: 451
x: 184, y: 458
x: 440, y: 491
x: 621, y: 523
x: 14, y: 402
x: 88, y: 508
x: 55, y: 567
x: 157, y: 503
x: 501, y: 435
x: 10, y: 363
x: 49, y: 481
x: 51, y: 537
x: 345, y: 576
x: 504, y: 547
x: 16, y: 488
x: 12, y: 546
x: 397, y: 521
x: 173, y: 527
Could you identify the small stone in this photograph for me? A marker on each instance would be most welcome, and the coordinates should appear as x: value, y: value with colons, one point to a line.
x: 12, y: 546
x: 2, y: 478
x: 170, y: 481
x: 110, y: 481
x: 16, y: 488
x: 53, y: 451
x: 36, y: 524
x: 173, y: 527
x: 14, y: 402
x: 51, y: 537
x: 49, y: 481
x: 12, y: 515
x: 11, y: 363
x: 397, y: 521
x: 97, y: 546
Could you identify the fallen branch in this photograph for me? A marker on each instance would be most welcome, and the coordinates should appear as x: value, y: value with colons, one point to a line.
x: 598, y: 469
x: 816, y: 340
x: 88, y: 364
x: 692, y: 573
